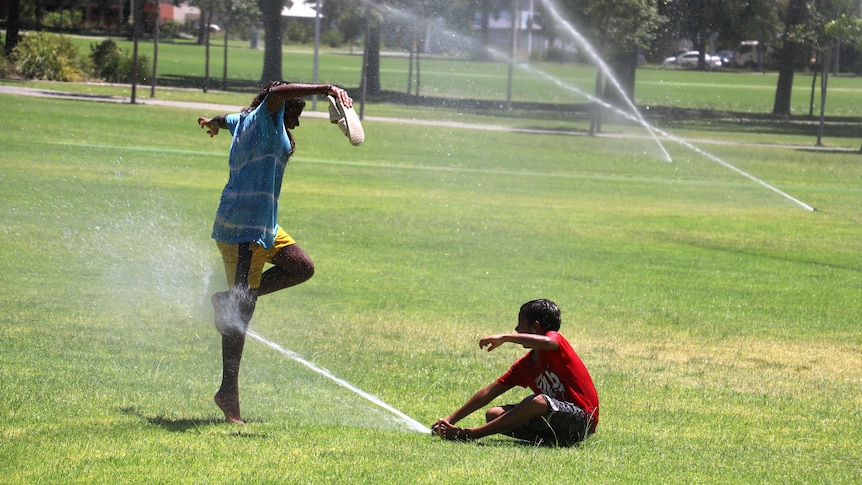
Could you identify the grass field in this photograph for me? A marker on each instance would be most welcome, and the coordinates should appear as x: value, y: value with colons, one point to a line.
x: 720, y: 321
x: 183, y: 64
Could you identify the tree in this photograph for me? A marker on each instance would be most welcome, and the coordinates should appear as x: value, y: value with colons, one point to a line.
x: 371, y: 69
x: 793, y: 39
x: 751, y: 20
x: 618, y: 30
x: 805, y: 26
x: 273, y: 26
x: 237, y: 15
x: 698, y: 21
x: 13, y: 25
x: 842, y: 29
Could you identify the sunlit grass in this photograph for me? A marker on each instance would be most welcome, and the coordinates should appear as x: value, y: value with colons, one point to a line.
x: 458, y: 77
x: 719, y: 320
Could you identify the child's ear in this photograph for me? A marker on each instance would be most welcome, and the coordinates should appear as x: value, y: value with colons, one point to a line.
x: 537, y: 326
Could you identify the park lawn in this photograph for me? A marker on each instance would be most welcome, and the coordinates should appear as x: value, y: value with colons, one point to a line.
x: 747, y: 96
x: 719, y: 319
x: 539, y: 82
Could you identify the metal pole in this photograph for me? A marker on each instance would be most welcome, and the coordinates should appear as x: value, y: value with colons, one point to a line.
x: 365, y: 63
x: 134, y: 52
x: 156, y: 47
x: 512, y: 59
x: 316, y: 50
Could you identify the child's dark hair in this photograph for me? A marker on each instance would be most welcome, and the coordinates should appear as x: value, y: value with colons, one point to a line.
x: 263, y: 93
x: 543, y: 311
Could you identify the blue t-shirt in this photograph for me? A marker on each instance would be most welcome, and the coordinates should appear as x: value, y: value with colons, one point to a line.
x: 258, y: 155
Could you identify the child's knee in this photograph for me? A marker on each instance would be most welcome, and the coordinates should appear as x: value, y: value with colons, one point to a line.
x: 493, y: 413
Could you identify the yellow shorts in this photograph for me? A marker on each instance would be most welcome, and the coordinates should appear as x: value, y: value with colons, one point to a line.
x: 259, y: 256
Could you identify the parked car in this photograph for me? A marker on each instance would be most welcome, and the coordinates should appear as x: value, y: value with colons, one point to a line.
x: 726, y: 58
x: 751, y: 53
x: 689, y: 58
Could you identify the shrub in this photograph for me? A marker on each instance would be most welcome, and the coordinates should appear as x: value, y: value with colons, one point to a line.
x: 63, y: 20
x: 51, y: 57
x: 112, y: 64
x: 106, y: 58
x: 332, y: 38
x: 144, y: 69
x: 169, y: 30
x: 7, y: 69
x: 299, y: 32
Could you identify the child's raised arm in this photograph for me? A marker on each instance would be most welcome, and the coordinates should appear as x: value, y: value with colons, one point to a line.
x: 528, y: 340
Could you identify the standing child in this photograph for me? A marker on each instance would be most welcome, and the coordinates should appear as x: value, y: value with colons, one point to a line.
x: 564, y: 408
x: 245, y: 229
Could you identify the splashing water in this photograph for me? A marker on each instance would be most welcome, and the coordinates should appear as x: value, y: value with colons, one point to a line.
x: 410, y: 422
x: 605, y: 69
x: 233, y: 307
x: 549, y: 4
x: 633, y: 115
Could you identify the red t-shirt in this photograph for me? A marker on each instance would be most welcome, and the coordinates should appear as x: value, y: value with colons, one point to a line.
x: 560, y: 374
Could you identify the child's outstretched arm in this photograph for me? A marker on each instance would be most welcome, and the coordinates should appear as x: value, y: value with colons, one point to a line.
x: 528, y: 340
x: 479, y: 400
x: 213, y: 124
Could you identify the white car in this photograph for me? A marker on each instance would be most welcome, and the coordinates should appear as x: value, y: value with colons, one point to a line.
x: 689, y: 58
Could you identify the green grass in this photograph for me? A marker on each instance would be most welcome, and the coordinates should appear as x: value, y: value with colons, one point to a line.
x: 727, y: 90
x: 719, y: 320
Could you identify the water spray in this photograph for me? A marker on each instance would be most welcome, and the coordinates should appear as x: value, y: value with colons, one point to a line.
x: 410, y: 422
x: 634, y: 115
x: 604, y: 67
x: 594, y: 55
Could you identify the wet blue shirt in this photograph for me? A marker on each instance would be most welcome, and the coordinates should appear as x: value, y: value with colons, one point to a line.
x: 259, y: 152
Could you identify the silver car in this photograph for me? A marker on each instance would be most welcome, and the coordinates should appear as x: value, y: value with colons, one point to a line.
x: 689, y: 58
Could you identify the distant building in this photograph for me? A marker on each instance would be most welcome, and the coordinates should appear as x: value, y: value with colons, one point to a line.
x: 113, y: 15
x: 529, y: 34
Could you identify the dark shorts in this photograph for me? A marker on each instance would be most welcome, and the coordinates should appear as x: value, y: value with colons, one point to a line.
x: 565, y: 425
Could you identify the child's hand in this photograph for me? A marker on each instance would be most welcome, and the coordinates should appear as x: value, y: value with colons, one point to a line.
x: 208, y: 123
x: 439, y: 427
x: 491, y: 342
x: 448, y: 431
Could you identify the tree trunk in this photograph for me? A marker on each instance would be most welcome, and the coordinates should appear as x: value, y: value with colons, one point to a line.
x: 824, y: 81
x: 410, y: 69
x: 224, y: 67
x: 372, y: 67
x: 13, y: 26
x: 209, y: 19
x: 623, y: 67
x: 596, y: 114
x: 273, y: 26
x: 157, y: 32
x: 481, y: 53
x: 784, y: 88
x: 796, y: 12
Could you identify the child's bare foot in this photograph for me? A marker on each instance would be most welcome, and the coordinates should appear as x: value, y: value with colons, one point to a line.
x: 229, y: 406
x: 450, y: 432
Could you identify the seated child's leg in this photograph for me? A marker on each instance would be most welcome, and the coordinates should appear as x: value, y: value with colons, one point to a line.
x: 513, y: 417
x: 564, y: 425
x: 495, y: 412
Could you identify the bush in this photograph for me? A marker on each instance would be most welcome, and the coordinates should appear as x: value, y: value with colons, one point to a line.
x: 106, y: 58
x: 299, y: 32
x: 7, y: 69
x: 51, y: 57
x: 144, y: 69
x: 63, y: 20
x: 112, y: 64
x: 169, y: 30
x: 332, y: 38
